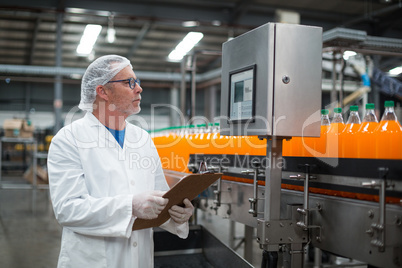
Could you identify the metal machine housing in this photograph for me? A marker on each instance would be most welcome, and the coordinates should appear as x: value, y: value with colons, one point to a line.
x: 287, y: 61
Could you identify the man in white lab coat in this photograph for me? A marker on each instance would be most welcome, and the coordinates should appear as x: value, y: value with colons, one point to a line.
x: 104, y: 173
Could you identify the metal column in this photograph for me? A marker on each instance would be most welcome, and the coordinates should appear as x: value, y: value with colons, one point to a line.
x: 248, y: 243
x: 58, y: 86
x: 210, y: 103
x: 175, y: 114
x: 273, y: 176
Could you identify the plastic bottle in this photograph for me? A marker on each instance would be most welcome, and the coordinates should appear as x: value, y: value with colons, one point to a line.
x: 320, y: 147
x: 348, y: 137
x: 313, y: 146
x: 365, y: 136
x: 180, y: 153
x: 209, y: 133
x: 217, y: 142
x: 325, y: 118
x: 337, y: 126
x: 389, y: 135
x: 197, y: 140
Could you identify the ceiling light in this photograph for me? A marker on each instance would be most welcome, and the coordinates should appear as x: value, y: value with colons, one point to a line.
x: 216, y: 23
x: 111, y: 35
x: 347, y: 54
x: 111, y: 32
x: 187, y: 44
x: 88, y: 39
x: 190, y: 23
x: 396, y: 71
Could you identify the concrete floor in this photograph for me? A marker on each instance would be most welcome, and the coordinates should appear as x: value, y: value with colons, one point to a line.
x: 29, y: 239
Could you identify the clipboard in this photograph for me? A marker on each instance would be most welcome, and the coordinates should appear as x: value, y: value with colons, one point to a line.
x: 188, y: 187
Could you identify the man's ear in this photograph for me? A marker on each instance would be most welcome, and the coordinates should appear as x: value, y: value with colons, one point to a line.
x: 102, y: 92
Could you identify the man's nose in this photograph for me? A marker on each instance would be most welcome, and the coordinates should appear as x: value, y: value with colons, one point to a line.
x: 138, y: 89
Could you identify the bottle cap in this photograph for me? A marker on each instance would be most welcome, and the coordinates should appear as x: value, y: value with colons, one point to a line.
x: 324, y: 112
x: 389, y: 103
x: 338, y: 110
x: 354, y: 108
x: 370, y: 106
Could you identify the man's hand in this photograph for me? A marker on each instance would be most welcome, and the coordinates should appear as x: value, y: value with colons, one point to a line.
x: 149, y: 205
x: 181, y: 215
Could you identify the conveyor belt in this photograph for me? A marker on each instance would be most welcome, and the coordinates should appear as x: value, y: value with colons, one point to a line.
x: 355, y: 170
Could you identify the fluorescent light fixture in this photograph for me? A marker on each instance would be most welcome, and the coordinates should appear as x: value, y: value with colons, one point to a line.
x: 347, y: 54
x: 187, y: 44
x: 396, y: 71
x: 88, y: 39
x: 111, y: 35
x: 190, y: 23
x: 216, y: 23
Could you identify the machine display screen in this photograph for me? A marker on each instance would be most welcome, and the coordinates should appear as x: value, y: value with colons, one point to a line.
x: 242, y: 94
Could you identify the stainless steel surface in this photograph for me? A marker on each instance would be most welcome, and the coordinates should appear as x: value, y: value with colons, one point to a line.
x: 273, y: 175
x: 253, y: 200
x: 298, y: 103
x: 343, y: 222
x: 248, y: 240
x: 254, y: 47
x: 346, y: 180
x: 280, y: 232
x: 380, y: 227
x: 277, y: 50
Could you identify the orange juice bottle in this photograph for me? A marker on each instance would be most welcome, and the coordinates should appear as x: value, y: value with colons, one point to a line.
x: 198, y: 141
x: 320, y: 146
x: 348, y: 136
x: 207, y: 138
x: 214, y: 138
x: 389, y: 135
x: 337, y: 126
x: 365, y: 136
x: 181, y: 152
x: 292, y: 146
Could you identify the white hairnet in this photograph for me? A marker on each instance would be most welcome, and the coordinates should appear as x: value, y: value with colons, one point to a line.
x: 99, y: 72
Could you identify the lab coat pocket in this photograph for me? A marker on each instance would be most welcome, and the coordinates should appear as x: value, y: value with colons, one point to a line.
x: 84, y: 249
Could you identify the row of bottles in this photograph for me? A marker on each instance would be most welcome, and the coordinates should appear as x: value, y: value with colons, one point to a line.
x: 355, y: 139
x: 175, y: 144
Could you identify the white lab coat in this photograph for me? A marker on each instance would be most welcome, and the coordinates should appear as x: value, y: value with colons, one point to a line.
x: 92, y: 181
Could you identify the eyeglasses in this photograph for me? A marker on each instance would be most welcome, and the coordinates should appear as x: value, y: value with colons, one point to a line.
x: 131, y: 82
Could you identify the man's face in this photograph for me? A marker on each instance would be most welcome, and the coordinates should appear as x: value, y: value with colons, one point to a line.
x: 122, y: 98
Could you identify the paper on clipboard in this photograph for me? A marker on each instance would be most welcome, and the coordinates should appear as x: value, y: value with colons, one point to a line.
x: 188, y: 187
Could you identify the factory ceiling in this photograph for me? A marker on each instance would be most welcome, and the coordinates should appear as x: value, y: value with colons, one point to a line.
x: 148, y: 30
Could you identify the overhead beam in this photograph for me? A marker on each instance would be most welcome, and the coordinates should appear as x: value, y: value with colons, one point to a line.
x: 141, y: 35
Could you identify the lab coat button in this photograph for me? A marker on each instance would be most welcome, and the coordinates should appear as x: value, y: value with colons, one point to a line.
x: 132, y: 182
x: 134, y: 244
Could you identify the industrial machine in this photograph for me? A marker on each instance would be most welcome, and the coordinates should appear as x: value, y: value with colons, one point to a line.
x: 271, y: 95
